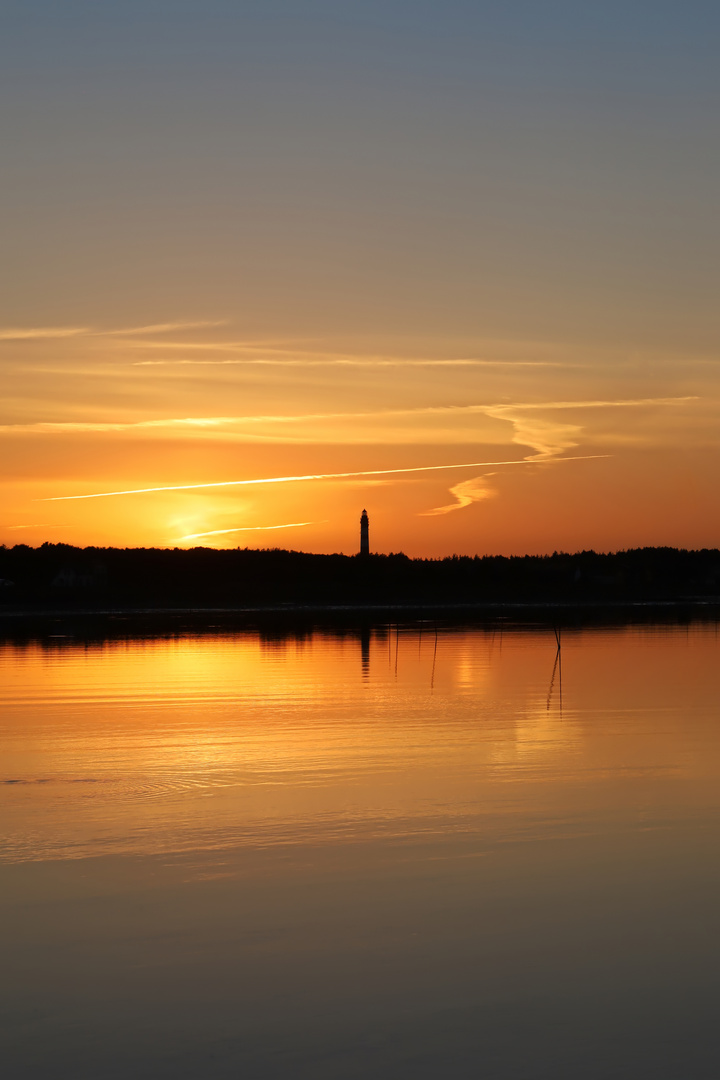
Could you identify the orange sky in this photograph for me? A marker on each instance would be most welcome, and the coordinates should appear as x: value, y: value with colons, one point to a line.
x: 606, y: 453
x: 241, y: 247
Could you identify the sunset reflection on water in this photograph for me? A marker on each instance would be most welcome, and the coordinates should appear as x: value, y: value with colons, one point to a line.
x: 442, y: 794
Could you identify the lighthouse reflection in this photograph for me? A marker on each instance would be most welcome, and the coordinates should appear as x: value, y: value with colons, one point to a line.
x: 365, y: 652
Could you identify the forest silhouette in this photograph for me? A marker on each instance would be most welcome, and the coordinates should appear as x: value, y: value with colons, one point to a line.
x: 61, y: 576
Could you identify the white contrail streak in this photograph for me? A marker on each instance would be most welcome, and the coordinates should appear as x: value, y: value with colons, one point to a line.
x: 245, y: 528
x: 318, y: 476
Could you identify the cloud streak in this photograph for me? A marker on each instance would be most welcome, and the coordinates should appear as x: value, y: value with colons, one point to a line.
x: 41, y: 332
x: 30, y: 333
x: 42, y: 525
x: 503, y: 412
x: 289, y: 354
x: 161, y: 328
x: 465, y: 493
x: 548, y: 438
x: 351, y: 362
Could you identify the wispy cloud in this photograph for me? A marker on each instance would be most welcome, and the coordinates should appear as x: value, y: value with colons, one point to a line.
x: 282, y: 347
x: 549, y: 437
x: 309, y: 476
x: 244, y: 528
x: 42, y: 525
x: 33, y: 332
x: 348, y: 362
x: 28, y: 333
x: 224, y: 422
x: 290, y: 354
x: 506, y: 412
x: 162, y: 328
x: 69, y: 427
x: 594, y: 403
x: 465, y: 493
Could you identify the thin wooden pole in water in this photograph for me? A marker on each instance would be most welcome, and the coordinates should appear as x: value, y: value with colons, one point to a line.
x: 552, y: 678
x: 557, y: 668
x: 432, y: 677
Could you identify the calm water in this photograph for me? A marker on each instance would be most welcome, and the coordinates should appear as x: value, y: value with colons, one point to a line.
x: 393, y: 855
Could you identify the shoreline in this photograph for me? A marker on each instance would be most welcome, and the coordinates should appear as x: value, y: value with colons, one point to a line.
x: 279, y: 618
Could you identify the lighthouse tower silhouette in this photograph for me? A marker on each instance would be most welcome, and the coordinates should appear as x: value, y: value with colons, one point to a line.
x: 364, y: 534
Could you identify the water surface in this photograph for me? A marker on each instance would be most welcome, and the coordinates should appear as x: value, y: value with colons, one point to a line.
x: 393, y: 853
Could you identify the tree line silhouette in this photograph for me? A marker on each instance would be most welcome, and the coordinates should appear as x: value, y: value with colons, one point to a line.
x: 62, y: 576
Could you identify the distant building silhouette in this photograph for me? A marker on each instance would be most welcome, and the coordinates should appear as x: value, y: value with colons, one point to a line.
x: 364, y: 534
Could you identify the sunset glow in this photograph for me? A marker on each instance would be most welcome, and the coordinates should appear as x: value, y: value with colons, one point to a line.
x: 277, y: 290
x: 359, y: 539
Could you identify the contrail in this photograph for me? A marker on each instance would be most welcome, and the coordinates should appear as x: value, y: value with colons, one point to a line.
x: 246, y: 528
x: 319, y: 476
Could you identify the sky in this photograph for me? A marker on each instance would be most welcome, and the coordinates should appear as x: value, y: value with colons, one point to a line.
x: 268, y: 264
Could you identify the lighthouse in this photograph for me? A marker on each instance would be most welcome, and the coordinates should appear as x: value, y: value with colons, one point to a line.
x: 364, y: 534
